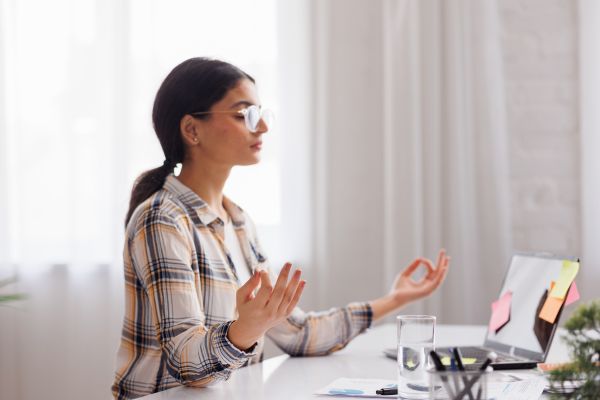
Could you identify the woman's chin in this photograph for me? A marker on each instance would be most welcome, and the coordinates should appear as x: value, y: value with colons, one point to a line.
x: 254, y: 159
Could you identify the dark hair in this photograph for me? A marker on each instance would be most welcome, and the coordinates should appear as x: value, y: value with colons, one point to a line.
x: 192, y: 86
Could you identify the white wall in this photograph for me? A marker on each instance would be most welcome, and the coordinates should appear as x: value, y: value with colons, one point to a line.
x: 540, y: 62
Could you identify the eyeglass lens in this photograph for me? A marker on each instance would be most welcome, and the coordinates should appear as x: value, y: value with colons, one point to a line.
x: 253, y: 116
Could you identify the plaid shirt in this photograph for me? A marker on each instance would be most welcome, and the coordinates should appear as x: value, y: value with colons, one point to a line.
x: 180, y: 286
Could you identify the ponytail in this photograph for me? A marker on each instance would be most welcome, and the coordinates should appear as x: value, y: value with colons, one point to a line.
x: 191, y: 87
x: 146, y: 185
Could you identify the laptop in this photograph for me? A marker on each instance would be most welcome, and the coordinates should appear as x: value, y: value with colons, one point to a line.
x: 523, y: 341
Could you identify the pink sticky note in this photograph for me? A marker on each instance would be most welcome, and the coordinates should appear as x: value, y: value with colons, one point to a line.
x: 573, y: 294
x: 500, y: 312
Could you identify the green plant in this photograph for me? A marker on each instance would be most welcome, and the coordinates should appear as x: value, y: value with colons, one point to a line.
x: 12, y: 296
x: 583, y: 341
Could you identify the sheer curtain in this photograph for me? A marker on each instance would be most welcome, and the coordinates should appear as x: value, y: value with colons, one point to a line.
x: 446, y: 142
x: 77, y: 81
x: 411, y: 149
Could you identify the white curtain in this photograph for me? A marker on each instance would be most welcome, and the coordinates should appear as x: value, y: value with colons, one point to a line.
x: 446, y: 144
x: 413, y: 152
x: 77, y: 82
x: 589, y: 75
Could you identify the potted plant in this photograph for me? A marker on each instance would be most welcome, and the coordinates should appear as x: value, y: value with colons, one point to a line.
x: 580, y: 379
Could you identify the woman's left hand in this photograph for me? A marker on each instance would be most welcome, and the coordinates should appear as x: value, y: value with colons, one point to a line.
x: 406, y: 289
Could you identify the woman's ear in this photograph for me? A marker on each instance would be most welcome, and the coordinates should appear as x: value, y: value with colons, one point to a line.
x: 188, y: 126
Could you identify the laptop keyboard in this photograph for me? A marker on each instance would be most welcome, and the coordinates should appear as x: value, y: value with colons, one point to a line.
x: 481, y: 354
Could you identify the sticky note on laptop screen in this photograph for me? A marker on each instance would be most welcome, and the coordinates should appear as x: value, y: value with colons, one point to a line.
x: 572, y: 295
x: 528, y: 282
x: 551, y: 308
x: 500, y: 312
x: 567, y: 274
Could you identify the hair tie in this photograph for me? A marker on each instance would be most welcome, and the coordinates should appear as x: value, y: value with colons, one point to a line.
x: 168, y: 163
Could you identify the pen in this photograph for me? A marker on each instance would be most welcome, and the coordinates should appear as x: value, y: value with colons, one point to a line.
x: 414, y: 386
x: 452, y: 364
x: 439, y: 366
x: 461, y: 367
x: 437, y: 361
x: 458, y: 358
x: 387, y: 391
x: 491, y: 357
x: 453, y: 377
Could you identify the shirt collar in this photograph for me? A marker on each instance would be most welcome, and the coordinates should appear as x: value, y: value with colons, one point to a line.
x: 193, y: 201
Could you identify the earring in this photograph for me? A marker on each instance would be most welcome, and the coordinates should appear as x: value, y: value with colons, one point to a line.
x: 195, y: 140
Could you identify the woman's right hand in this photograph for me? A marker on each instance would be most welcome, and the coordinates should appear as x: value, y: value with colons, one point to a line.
x: 270, y: 306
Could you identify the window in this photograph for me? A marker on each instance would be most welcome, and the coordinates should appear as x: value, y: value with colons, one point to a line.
x: 81, y: 78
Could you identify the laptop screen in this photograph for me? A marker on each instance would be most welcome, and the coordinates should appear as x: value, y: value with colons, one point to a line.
x: 525, y: 334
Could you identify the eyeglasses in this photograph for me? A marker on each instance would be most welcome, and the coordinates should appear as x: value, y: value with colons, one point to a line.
x: 252, y: 116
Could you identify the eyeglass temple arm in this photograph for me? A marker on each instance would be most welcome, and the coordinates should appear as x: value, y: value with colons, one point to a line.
x: 217, y: 112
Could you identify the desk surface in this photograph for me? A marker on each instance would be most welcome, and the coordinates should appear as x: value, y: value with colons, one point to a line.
x: 299, y: 377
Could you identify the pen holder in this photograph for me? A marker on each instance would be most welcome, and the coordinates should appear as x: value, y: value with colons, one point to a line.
x: 458, y: 385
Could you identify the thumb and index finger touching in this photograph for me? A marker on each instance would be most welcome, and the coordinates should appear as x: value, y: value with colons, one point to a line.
x: 432, y: 272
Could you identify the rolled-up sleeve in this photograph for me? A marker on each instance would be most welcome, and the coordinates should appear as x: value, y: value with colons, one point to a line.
x: 320, y: 333
x: 194, y: 354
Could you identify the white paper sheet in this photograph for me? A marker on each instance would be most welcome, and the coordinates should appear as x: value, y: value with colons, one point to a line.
x: 526, y: 389
x: 529, y: 389
x: 347, y: 387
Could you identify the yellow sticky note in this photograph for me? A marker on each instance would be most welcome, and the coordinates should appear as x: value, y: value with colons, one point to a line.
x: 551, y: 309
x: 568, y: 272
x: 465, y: 360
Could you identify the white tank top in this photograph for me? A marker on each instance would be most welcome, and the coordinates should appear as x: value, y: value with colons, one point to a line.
x: 235, y: 251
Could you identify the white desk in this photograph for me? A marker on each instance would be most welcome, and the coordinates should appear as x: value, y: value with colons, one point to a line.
x: 299, y: 377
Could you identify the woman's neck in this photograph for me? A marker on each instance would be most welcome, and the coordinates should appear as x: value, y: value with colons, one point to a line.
x: 207, y: 181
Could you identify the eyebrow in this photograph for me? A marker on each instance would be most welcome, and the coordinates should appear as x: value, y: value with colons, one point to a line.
x: 242, y: 102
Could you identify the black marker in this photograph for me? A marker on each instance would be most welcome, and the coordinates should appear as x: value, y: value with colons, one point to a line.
x: 439, y: 366
x: 413, y: 386
x: 458, y: 358
x: 491, y: 357
x: 461, y: 367
x: 387, y: 391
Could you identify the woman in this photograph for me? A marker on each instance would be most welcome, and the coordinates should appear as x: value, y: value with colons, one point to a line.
x: 198, y: 295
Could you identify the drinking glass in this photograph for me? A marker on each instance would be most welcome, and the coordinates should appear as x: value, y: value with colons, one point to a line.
x: 416, y: 338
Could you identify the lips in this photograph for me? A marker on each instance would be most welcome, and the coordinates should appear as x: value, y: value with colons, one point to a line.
x: 256, y: 145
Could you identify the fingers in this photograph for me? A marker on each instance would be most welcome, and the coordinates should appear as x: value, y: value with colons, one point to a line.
x: 441, y: 273
x: 415, y: 265
x: 278, y: 297
x: 266, y: 288
x: 441, y: 258
x: 280, y: 286
x: 290, y: 290
x: 244, y: 293
x: 296, y: 297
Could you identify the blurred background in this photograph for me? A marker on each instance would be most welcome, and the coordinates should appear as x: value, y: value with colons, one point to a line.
x: 403, y: 126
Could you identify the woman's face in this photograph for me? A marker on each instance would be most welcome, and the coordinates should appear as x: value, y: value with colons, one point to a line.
x: 223, y: 138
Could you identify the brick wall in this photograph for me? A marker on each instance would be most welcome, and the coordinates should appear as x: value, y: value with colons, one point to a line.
x: 539, y: 39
